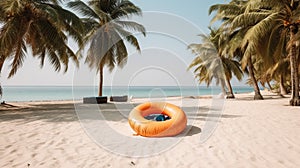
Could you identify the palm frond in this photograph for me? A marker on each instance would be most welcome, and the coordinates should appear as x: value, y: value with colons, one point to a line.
x: 130, y: 25
x: 54, y: 59
x: 71, y: 23
x: 249, y: 19
x: 121, y: 54
x: 125, y: 8
x: 83, y: 9
x: 18, y: 57
x: 128, y: 36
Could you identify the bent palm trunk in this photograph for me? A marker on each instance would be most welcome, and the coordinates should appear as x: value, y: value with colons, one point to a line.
x: 295, y: 101
x: 2, y: 59
x: 231, y: 95
x: 269, y: 85
x: 223, y: 87
x: 283, y: 90
x: 257, y: 95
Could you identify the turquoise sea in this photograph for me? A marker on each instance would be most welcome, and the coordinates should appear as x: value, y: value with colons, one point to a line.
x: 43, y: 93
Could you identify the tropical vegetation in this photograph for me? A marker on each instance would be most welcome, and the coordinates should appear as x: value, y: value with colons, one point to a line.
x: 264, y: 36
x: 41, y: 25
x: 107, y: 31
x: 45, y: 27
x: 211, y: 63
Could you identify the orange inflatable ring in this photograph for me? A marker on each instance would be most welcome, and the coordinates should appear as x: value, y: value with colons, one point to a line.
x: 149, y: 128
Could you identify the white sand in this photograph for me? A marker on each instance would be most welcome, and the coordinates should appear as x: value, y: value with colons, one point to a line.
x: 248, y: 134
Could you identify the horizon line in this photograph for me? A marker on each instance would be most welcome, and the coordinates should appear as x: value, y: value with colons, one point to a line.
x: 117, y: 86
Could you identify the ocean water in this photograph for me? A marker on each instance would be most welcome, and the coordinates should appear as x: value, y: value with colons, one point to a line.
x: 43, y: 93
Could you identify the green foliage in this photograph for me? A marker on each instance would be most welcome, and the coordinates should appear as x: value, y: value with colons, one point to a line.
x: 265, y: 33
x: 41, y: 25
x: 209, y: 63
x: 107, y: 28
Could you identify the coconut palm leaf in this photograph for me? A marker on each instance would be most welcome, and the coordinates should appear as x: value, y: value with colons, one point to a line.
x: 129, y: 25
x: 227, y: 12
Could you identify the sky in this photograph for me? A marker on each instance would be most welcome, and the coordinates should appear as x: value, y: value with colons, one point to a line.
x: 171, y: 26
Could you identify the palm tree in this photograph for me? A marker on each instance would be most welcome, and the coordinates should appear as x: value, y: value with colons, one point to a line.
x: 274, y: 30
x: 280, y: 73
x: 228, y: 13
x: 211, y: 64
x: 42, y: 26
x: 207, y: 63
x: 107, y: 30
x: 230, y: 65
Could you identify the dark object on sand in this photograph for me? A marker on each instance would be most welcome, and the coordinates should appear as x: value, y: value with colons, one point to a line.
x: 4, y: 104
x: 118, y: 98
x: 157, y: 117
x: 95, y: 100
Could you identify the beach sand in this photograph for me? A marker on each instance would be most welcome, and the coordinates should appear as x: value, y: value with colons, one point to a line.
x: 248, y: 134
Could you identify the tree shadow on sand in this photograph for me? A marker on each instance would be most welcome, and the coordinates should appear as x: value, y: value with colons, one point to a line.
x: 266, y: 97
x: 70, y: 112
x: 205, y: 113
x: 65, y: 112
x: 46, y: 112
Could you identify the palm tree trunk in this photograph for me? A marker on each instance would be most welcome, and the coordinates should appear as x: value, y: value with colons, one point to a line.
x: 100, y: 80
x: 2, y: 59
x: 231, y: 95
x: 283, y: 90
x: 223, y: 87
x: 295, y: 101
x: 269, y: 85
x: 257, y: 95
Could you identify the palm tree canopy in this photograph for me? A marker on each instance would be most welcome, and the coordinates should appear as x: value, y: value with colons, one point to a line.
x: 210, y: 63
x: 227, y: 12
x: 42, y: 25
x: 270, y: 35
x: 267, y: 24
x: 108, y: 28
x: 205, y: 61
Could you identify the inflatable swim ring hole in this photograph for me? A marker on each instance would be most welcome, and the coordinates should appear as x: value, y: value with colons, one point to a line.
x: 157, y: 117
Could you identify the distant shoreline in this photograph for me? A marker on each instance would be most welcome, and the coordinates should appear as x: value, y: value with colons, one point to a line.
x: 139, y: 99
x: 52, y: 93
x: 133, y: 98
x: 201, y: 86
